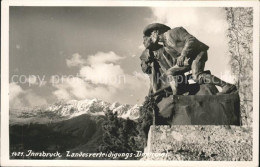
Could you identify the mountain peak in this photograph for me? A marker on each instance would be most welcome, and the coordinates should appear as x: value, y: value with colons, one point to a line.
x: 68, y: 109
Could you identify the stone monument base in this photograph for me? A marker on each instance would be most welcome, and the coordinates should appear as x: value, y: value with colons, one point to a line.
x: 200, y: 142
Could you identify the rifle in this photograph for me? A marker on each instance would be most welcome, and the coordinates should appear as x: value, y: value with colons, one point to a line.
x: 159, y: 91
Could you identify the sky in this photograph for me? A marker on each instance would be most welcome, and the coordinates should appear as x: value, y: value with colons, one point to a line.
x: 66, y: 53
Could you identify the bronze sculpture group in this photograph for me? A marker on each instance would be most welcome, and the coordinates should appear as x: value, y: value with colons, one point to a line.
x: 170, y: 54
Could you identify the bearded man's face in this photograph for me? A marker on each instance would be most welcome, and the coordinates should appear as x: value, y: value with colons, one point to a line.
x: 155, y: 36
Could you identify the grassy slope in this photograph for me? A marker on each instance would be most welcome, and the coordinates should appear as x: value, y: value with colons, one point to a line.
x: 82, y: 133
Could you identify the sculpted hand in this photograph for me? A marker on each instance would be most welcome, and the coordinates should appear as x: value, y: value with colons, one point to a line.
x: 180, y: 61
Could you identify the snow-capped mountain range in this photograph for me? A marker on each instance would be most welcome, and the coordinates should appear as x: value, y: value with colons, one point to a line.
x: 69, y: 109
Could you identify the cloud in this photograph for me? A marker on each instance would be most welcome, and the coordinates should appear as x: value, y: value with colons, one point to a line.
x: 36, y: 80
x: 66, y: 89
x: 62, y: 93
x: 99, y: 68
x: 108, y: 74
x: 32, y: 80
x: 101, y: 58
x: 228, y: 77
x: 206, y: 20
x: 208, y: 24
x: 77, y: 88
x: 33, y: 99
x: 14, y: 92
x: 141, y: 47
x: 19, y: 97
x: 102, y: 77
x: 75, y: 60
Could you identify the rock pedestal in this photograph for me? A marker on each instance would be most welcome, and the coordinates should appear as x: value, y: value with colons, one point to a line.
x: 201, y: 109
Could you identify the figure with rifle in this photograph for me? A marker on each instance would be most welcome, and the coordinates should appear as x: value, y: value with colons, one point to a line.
x: 182, y: 52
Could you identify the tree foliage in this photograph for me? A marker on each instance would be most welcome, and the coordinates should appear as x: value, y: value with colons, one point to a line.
x: 240, y: 35
x: 125, y: 135
x: 119, y: 135
x: 146, y: 118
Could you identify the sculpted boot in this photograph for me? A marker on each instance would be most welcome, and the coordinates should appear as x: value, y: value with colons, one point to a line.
x: 226, y: 87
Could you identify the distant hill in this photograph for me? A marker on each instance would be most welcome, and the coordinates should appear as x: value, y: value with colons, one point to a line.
x: 82, y: 133
x: 63, y: 126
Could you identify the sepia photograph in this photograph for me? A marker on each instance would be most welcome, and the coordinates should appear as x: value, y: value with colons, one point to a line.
x: 145, y: 83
